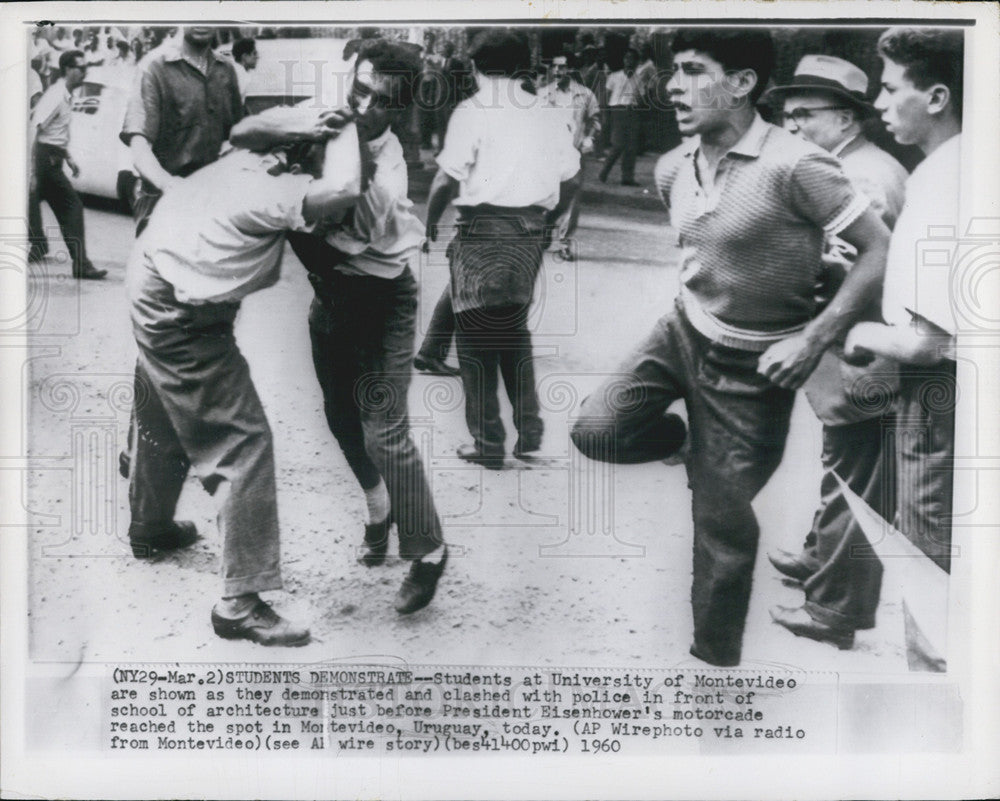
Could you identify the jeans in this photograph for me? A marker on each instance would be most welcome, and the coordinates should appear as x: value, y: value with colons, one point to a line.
x: 195, y: 405
x: 843, y: 592
x: 494, y: 341
x: 56, y: 190
x: 738, y: 425
x: 362, y: 331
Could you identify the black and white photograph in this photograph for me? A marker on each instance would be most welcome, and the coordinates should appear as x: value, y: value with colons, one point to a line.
x: 614, y: 386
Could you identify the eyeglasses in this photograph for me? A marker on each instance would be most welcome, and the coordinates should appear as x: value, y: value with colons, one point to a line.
x: 799, y: 115
x: 361, y: 92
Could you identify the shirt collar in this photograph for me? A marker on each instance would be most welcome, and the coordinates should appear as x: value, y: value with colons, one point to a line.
x: 748, y: 145
x: 175, y: 52
x: 841, y: 150
x: 376, y: 145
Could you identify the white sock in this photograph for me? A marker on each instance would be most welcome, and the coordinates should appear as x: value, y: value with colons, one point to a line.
x: 377, y: 499
x: 435, y: 556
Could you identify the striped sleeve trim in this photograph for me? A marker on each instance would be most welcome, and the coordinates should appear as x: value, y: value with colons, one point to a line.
x: 847, y: 215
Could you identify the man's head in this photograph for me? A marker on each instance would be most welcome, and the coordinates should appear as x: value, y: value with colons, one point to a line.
x: 73, y: 68
x: 646, y: 52
x: 630, y: 60
x: 500, y: 52
x: 245, y: 53
x: 718, y: 73
x: 825, y: 101
x: 922, y: 75
x: 383, y: 81
x: 199, y: 36
x: 560, y: 70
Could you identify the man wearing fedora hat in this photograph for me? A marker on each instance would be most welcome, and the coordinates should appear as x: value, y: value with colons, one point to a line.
x: 825, y: 104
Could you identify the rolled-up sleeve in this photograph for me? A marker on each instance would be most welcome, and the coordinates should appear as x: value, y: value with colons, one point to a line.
x: 142, y: 115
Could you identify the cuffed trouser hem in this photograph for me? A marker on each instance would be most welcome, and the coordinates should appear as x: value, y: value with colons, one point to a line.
x: 244, y: 585
x: 836, y: 620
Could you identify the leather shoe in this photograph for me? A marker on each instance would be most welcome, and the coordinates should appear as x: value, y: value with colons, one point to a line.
x: 789, y: 564
x: 147, y: 539
x: 527, y: 446
x: 90, y: 273
x: 433, y: 366
x: 375, y: 544
x: 630, y: 182
x: 420, y: 585
x: 704, y: 655
x: 801, y: 623
x: 261, y: 625
x: 492, y: 460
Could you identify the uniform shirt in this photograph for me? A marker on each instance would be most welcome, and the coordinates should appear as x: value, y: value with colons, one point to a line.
x: 506, y: 149
x: 185, y: 114
x: 917, y: 272
x: 52, y: 114
x: 623, y: 90
x: 381, y: 232
x: 219, y: 235
x: 580, y: 102
x: 752, y: 239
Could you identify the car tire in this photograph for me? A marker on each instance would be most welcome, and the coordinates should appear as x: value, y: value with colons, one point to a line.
x: 125, y: 189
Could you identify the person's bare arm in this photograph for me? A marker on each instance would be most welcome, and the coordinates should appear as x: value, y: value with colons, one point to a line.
x: 283, y: 126
x: 148, y: 166
x: 789, y: 363
x: 444, y: 189
x: 921, y: 344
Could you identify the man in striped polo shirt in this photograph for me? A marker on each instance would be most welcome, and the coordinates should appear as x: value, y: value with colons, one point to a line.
x: 751, y: 205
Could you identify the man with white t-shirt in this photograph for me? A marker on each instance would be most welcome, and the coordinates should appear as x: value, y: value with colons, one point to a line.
x: 507, y: 163
x: 921, y: 104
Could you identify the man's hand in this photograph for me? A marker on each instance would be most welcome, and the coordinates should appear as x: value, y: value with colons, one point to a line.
x: 73, y: 168
x: 790, y: 362
x: 329, y: 124
x: 32, y: 183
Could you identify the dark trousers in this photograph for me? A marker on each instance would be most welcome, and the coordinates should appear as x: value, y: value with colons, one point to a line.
x: 925, y: 455
x: 362, y: 331
x: 144, y: 200
x: 441, y: 330
x: 496, y: 341
x: 54, y: 188
x: 738, y: 424
x: 844, y: 589
x: 624, y: 138
x: 195, y: 406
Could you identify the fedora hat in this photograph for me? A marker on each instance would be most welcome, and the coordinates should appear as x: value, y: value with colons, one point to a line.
x: 831, y: 75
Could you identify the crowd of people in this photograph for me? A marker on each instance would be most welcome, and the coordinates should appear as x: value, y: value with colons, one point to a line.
x: 797, y: 270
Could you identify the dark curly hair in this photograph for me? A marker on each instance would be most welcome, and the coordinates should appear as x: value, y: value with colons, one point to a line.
x: 734, y: 49
x: 928, y: 56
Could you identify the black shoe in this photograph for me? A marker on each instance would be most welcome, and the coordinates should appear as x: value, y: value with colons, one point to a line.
x: 36, y: 255
x: 789, y: 564
x: 124, y: 464
x: 602, y: 177
x: 147, y: 539
x: 565, y: 252
x: 419, y: 585
x: 527, y: 447
x: 705, y: 656
x: 375, y: 544
x: 801, y: 623
x: 89, y: 273
x: 492, y: 460
x: 630, y: 182
x: 434, y: 366
x: 260, y: 625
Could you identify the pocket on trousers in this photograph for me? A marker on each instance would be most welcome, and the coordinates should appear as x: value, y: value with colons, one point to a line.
x: 732, y: 371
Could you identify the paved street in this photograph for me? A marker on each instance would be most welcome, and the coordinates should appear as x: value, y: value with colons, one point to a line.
x: 566, y: 563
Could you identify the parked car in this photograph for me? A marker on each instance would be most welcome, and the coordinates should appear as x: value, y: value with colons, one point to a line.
x: 98, y: 113
x: 289, y: 71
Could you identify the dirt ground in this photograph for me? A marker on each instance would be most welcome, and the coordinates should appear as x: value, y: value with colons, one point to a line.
x: 565, y: 562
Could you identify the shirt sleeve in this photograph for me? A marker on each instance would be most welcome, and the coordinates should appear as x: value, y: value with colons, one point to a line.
x: 46, y: 107
x: 461, y: 144
x: 663, y: 175
x: 369, y: 221
x: 281, y: 199
x: 142, y: 114
x: 823, y: 194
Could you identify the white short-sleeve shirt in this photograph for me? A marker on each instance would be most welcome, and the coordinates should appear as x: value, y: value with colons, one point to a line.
x: 506, y: 148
